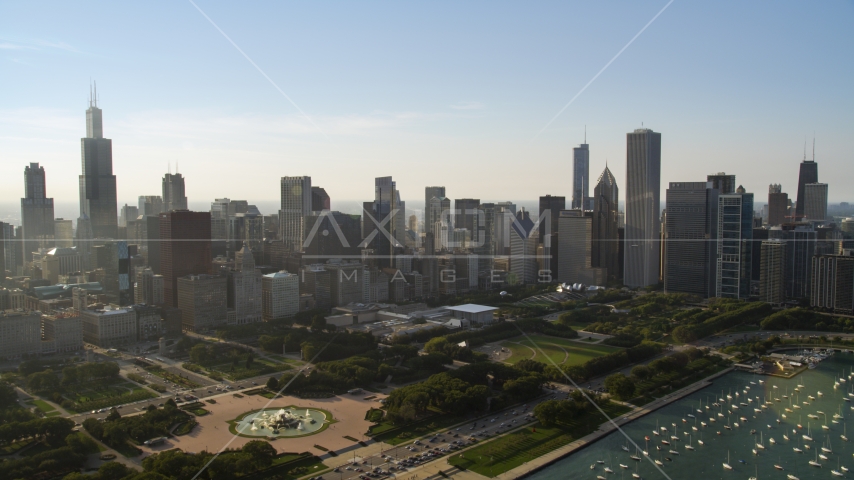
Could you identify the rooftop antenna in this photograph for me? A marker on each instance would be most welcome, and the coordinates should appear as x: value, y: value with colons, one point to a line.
x: 90, y: 91
x: 95, y: 98
x: 805, y: 149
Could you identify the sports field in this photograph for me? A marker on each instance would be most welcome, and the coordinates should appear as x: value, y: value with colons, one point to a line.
x: 561, y: 351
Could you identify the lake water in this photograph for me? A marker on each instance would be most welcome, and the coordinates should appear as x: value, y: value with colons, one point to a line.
x: 706, y: 461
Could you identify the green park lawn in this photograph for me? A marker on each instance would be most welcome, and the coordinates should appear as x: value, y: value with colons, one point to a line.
x: 561, y: 351
x: 497, y: 456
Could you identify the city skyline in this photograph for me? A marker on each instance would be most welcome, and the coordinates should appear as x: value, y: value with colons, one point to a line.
x: 455, y: 127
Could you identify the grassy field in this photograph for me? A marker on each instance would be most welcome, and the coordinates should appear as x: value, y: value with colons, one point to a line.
x: 102, y: 395
x: 505, y: 453
x: 559, y: 350
x: 43, y: 406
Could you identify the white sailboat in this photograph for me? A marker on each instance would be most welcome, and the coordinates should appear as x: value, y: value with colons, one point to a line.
x: 727, y: 466
x: 689, y: 446
x: 759, y: 445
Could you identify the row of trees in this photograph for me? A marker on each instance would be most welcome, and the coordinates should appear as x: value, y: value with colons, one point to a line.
x: 116, y: 430
x: 601, y: 365
x: 177, y: 465
x: 48, y: 380
x: 627, y: 387
x: 744, y: 313
x: 556, y: 412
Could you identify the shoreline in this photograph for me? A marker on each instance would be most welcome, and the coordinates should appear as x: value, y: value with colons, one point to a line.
x: 554, y: 456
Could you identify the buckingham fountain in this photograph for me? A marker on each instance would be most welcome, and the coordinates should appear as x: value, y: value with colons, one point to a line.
x: 282, y: 422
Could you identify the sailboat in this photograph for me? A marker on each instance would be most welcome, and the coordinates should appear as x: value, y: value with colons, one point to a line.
x: 759, y: 445
x: 815, y: 463
x: 727, y: 466
x: 756, y: 476
x: 807, y: 436
x: 625, y: 447
x: 844, y: 431
x: 700, y: 441
x: 689, y: 446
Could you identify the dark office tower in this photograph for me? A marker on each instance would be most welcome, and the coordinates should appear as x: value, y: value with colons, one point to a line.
x: 152, y: 232
x: 36, y: 212
x: 689, y: 251
x: 800, y: 240
x: 605, y: 237
x: 722, y: 182
x: 778, y: 205
x: 466, y: 216
x: 735, y: 245
x: 808, y: 174
x: 643, y: 206
x: 2, y: 252
x: 83, y: 240
x: 580, y: 175
x: 553, y: 205
x: 185, y: 249
x: 295, y: 205
x: 331, y: 235
x: 387, y: 212
x: 97, y: 183
x: 320, y: 199
x: 174, y: 196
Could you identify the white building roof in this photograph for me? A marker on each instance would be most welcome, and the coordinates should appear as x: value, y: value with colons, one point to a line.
x: 472, y: 308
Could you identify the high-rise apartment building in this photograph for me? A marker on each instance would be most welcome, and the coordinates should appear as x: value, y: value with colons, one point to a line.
x: 295, y: 206
x: 833, y: 282
x: 174, y: 196
x: 36, y: 212
x: 815, y: 201
x: 778, y: 205
x: 97, y: 183
x: 604, y: 248
x: 722, y: 182
x: 202, y: 300
x: 280, y: 295
x: 185, y: 249
x: 808, y: 174
x: 735, y: 234
x: 580, y: 174
x: 689, y: 238
x: 148, y: 288
x: 643, y: 207
x: 772, y: 287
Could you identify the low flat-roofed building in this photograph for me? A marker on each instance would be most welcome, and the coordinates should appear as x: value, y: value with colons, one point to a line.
x: 20, y: 333
x: 480, y: 314
x: 110, y: 326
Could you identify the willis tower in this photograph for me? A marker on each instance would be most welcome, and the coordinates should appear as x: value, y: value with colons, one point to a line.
x: 98, y: 203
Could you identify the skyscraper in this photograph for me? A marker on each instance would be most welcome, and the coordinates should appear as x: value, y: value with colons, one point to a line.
x: 466, y: 216
x: 185, y: 249
x: 436, y: 208
x: 643, y: 206
x: 549, y: 235
x: 295, y: 206
x: 833, y: 282
x: 815, y: 201
x: 388, y: 211
x: 722, y: 182
x: 36, y: 212
x: 97, y: 183
x: 174, y: 197
x: 800, y: 240
x: 575, y: 234
x: 244, y: 289
x: 605, y: 239
x: 150, y: 205
x: 320, y: 199
x: 580, y: 174
x: 778, y: 205
x: 772, y: 267
x: 808, y: 174
x: 63, y: 231
x: 735, y: 235
x: 429, y: 193
x: 689, y: 240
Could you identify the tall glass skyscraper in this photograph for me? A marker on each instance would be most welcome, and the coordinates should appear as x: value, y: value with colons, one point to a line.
x: 808, y: 174
x: 97, y: 183
x: 643, y: 207
x: 174, y: 197
x: 735, y: 251
x: 605, y: 236
x: 580, y: 175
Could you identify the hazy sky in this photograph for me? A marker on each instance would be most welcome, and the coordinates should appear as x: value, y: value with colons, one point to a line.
x: 431, y: 93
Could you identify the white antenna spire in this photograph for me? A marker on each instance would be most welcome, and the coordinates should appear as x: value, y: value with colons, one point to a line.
x: 95, y: 98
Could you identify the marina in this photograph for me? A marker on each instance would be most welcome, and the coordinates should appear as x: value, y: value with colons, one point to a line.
x: 797, y: 430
